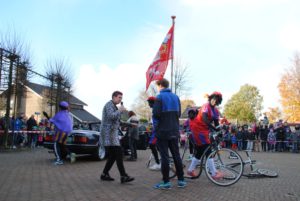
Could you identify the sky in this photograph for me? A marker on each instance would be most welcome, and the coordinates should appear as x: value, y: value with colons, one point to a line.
x: 111, y: 43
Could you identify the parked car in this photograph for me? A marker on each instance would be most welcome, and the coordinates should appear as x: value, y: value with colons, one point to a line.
x: 79, y: 142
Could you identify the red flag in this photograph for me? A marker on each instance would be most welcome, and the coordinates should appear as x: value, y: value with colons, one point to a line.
x: 158, y: 67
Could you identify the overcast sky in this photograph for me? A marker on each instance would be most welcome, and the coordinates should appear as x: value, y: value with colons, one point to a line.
x: 111, y: 43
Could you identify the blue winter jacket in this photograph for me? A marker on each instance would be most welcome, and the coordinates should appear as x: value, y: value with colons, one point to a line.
x: 167, y: 111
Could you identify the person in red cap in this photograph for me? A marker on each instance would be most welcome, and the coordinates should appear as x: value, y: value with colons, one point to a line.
x: 63, y: 126
x: 153, y: 139
x: 201, y: 124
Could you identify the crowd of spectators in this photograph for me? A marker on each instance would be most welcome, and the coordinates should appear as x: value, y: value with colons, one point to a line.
x: 23, y: 131
x: 264, y: 136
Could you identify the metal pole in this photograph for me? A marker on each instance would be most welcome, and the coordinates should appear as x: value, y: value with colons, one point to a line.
x: 51, y: 94
x: 1, y: 64
x: 172, y: 62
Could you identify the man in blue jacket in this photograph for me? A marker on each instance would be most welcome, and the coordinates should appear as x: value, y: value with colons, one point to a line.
x: 167, y: 111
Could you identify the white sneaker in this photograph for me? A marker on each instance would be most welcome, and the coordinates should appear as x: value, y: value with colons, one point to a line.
x: 72, y: 157
x: 190, y: 158
x: 58, y: 162
x: 155, y: 167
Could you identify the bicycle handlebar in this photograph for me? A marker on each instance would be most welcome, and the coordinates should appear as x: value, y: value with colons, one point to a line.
x: 216, y: 136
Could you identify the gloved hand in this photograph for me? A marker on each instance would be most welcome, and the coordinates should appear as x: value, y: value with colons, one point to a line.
x: 215, y: 128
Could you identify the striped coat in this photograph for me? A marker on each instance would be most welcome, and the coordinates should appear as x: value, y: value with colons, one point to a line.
x: 110, y: 125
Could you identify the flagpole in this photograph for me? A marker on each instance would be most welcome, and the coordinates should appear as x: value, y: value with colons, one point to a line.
x: 172, y: 63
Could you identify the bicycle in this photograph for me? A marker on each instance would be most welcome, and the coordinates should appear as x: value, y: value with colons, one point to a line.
x: 172, y: 171
x: 228, y: 161
x: 256, y: 172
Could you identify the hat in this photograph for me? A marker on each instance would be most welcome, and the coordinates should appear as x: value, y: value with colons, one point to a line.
x: 64, y: 104
x: 151, y: 98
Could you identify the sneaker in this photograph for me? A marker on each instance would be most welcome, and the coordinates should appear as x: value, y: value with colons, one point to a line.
x: 131, y: 159
x: 106, y: 177
x: 72, y: 157
x: 192, y: 173
x: 58, y: 162
x: 163, y: 185
x: 219, y: 175
x: 181, y: 183
x: 125, y: 179
x: 155, y: 167
x: 189, y: 158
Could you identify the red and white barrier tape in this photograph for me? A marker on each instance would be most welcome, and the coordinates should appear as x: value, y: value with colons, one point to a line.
x: 22, y: 131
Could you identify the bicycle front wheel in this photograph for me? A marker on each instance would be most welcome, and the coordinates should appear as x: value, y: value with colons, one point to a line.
x: 227, y: 166
x: 267, y: 173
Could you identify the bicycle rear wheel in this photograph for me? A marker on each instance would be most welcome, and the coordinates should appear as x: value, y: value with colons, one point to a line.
x: 228, y: 163
x: 172, y: 170
x: 267, y: 173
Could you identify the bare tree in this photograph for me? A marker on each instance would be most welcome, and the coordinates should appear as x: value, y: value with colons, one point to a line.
x: 141, y: 107
x: 14, y: 43
x: 181, y: 78
x: 60, y: 81
x: 14, y: 68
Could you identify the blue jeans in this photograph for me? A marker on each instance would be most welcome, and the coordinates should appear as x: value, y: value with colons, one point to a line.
x: 33, y: 139
x: 240, y: 144
x: 295, y: 147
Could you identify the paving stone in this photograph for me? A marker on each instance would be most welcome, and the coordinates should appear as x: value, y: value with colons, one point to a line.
x: 31, y: 176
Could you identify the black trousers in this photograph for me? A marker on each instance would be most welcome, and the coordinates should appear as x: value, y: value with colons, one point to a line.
x: 191, y: 147
x: 200, y: 151
x: 163, y: 147
x: 115, y: 153
x: 133, y: 147
x: 154, y: 152
x: 264, y: 145
x: 60, y: 151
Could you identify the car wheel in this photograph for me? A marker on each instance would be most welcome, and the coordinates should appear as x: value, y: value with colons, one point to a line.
x: 100, y: 154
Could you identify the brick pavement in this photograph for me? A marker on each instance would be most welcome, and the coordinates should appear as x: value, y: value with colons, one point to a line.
x: 31, y: 176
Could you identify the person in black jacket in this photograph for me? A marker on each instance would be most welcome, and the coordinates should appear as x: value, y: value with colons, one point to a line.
x: 167, y: 111
x: 263, y: 133
x: 32, y: 137
x: 133, y: 135
x: 245, y: 136
x: 239, y: 138
x: 280, y: 134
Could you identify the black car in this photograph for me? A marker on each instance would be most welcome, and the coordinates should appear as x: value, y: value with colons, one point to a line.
x: 86, y: 142
x: 79, y: 142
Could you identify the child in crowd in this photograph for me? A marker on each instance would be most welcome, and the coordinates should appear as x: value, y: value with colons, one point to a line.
x: 271, y: 140
x: 233, y: 141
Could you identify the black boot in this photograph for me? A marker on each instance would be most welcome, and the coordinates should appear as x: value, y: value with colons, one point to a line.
x: 106, y: 177
x: 126, y: 178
